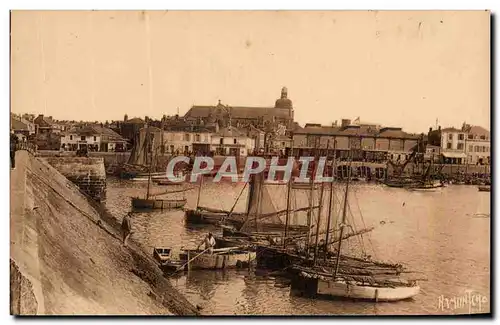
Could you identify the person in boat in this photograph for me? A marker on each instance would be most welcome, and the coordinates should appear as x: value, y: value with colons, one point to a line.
x: 209, y: 242
x: 126, y: 228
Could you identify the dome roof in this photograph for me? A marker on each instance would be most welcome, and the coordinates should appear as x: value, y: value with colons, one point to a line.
x: 283, y: 103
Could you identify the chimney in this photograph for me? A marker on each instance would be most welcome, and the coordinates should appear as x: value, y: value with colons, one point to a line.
x: 430, y: 130
x: 345, y: 122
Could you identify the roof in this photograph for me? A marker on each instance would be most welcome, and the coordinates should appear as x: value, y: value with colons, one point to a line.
x: 96, y: 130
x: 239, y: 112
x: 17, y: 125
x: 135, y: 120
x: 363, y: 130
x: 479, y: 130
x: 452, y: 129
x: 43, y: 121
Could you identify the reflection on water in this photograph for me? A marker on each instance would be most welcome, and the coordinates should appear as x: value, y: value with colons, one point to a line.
x: 435, y: 233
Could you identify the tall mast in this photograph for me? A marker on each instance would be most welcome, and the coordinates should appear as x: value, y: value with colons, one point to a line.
x: 150, y: 162
x: 287, y: 220
x: 331, y: 203
x: 199, y: 191
x: 344, y: 214
x: 320, y: 207
x: 311, y: 200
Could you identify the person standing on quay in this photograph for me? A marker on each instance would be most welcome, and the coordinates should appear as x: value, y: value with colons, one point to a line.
x: 13, y: 147
x: 126, y: 228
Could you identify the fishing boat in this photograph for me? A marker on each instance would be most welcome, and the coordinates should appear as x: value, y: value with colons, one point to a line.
x: 221, y: 258
x: 218, y: 259
x: 162, y: 204
x: 484, y: 188
x: 344, y: 276
x: 151, y: 201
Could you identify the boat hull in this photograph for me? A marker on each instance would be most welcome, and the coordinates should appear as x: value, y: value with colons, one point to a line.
x: 329, y: 289
x: 218, y: 261
x: 484, y: 188
x: 151, y: 204
x: 213, y: 218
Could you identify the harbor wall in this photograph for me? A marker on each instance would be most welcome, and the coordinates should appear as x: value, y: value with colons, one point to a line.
x: 88, y: 174
x: 110, y: 158
x: 66, y: 254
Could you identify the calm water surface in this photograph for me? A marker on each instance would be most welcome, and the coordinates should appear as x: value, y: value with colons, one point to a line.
x: 441, y: 234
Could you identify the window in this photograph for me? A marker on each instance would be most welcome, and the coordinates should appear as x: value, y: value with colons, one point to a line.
x: 448, y: 145
x: 234, y: 141
x: 476, y: 148
x: 483, y: 137
x: 172, y: 148
x: 450, y: 136
x: 221, y: 141
x: 95, y: 138
x: 471, y: 148
x: 460, y: 146
x: 71, y: 137
x: 283, y: 144
x: 197, y: 138
x: 186, y: 137
x: 82, y: 138
x: 461, y: 136
x: 471, y: 136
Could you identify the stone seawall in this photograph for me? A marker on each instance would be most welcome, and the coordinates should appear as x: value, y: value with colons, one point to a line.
x: 88, y: 174
x: 67, y: 257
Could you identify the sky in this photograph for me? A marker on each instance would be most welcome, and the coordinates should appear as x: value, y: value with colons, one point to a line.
x: 395, y: 68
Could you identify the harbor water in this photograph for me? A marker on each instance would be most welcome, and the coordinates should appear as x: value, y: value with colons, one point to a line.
x: 444, y: 235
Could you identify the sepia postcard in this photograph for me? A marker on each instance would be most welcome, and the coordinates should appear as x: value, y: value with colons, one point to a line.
x: 277, y: 163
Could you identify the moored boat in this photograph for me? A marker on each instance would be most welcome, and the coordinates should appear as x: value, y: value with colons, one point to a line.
x: 323, y: 285
x: 221, y: 258
x: 153, y: 203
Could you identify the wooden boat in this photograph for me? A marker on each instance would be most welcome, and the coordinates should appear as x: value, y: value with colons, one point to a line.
x: 221, y: 258
x: 166, y: 181
x: 335, y: 275
x: 162, y: 204
x: 484, y: 188
x: 204, y: 216
x: 322, y: 285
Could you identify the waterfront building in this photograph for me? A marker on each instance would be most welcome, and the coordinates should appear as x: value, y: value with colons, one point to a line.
x: 232, y: 141
x: 467, y: 145
x: 21, y: 126
x: 94, y: 137
x: 375, y: 143
x: 46, y: 124
x: 245, y: 116
x: 478, y: 145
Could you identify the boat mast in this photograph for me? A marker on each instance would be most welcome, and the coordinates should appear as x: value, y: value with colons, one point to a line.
x: 150, y: 163
x: 344, y: 214
x: 311, y: 200
x: 287, y: 219
x: 199, y: 191
x: 331, y: 203
x: 320, y: 207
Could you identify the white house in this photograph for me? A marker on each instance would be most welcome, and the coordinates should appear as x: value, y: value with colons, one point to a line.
x: 478, y: 146
x: 453, y: 143
x: 94, y: 137
x: 232, y: 141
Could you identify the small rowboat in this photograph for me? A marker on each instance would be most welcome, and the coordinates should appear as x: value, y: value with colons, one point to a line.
x: 138, y: 203
x: 221, y: 258
x: 166, y: 181
x: 484, y: 188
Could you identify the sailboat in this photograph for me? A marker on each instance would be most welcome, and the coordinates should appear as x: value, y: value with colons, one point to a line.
x: 349, y: 277
x: 151, y: 201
